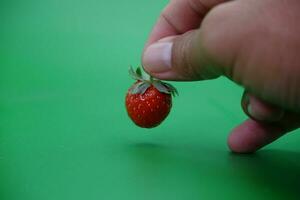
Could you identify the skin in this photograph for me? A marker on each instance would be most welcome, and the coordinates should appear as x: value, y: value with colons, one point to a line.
x: 255, y: 43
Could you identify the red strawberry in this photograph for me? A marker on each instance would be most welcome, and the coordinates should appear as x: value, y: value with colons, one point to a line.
x: 148, y: 102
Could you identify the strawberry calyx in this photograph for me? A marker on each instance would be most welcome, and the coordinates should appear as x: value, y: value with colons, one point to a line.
x: 143, y: 83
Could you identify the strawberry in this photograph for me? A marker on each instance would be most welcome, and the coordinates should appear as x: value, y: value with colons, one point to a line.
x: 148, y: 101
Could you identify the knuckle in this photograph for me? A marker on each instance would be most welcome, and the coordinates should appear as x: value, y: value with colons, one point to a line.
x: 211, y: 29
x: 216, y: 31
x: 181, y: 57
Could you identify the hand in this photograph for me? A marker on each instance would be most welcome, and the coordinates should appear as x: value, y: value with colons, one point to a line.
x: 255, y: 43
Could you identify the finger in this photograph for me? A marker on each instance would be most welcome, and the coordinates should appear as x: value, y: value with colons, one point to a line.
x: 252, y: 135
x: 260, y: 110
x: 180, y: 16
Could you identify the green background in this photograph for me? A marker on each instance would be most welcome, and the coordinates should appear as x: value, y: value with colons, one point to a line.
x: 65, y: 133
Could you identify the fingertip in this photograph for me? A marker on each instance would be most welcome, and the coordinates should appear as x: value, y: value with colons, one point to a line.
x: 251, y: 135
x: 237, y: 144
x: 157, y: 57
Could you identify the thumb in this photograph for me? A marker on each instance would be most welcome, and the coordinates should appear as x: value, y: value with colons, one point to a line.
x: 179, y: 58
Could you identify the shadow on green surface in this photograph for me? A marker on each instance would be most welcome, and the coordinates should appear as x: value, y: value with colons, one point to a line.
x: 278, y: 168
x: 269, y: 172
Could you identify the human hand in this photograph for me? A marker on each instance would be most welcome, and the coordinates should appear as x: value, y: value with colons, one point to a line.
x: 255, y: 43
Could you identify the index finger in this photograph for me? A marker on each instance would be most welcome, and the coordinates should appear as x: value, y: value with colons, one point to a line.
x: 180, y: 16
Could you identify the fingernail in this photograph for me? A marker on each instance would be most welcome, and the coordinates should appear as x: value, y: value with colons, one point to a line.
x: 157, y: 57
x: 261, y: 113
x: 252, y: 112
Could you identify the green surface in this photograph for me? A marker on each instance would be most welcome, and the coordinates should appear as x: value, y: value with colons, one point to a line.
x: 65, y: 133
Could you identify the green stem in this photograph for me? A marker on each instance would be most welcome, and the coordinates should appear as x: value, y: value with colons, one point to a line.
x: 151, y: 79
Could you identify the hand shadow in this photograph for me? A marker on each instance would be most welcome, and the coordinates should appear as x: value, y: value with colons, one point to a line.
x: 276, y: 169
x: 274, y: 173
